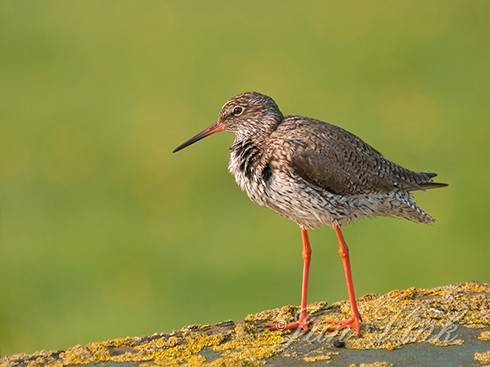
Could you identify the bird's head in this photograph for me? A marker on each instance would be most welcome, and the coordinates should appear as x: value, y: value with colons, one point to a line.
x: 246, y: 115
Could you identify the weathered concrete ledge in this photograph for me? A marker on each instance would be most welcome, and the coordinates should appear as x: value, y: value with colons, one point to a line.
x: 444, y: 326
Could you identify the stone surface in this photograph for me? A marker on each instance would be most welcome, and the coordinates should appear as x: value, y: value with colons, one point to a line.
x: 444, y: 326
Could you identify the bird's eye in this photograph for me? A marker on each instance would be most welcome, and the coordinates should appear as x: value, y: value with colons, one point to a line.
x: 237, y: 111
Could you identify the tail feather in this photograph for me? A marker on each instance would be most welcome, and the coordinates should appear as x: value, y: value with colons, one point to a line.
x: 432, y: 185
x: 424, y: 181
x: 430, y: 174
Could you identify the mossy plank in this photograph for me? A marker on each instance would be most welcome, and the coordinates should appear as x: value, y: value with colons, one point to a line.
x: 444, y: 326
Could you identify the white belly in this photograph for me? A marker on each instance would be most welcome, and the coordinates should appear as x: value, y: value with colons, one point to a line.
x: 286, y: 196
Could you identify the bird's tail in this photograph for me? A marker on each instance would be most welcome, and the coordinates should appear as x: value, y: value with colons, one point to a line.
x: 426, y: 182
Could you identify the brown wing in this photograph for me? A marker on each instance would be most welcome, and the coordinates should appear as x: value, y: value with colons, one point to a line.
x: 336, y: 160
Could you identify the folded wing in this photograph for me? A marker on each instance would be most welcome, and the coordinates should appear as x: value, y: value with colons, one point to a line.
x: 338, y: 161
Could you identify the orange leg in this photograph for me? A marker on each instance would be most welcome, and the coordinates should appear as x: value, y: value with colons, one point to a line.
x: 354, y: 322
x: 302, y: 321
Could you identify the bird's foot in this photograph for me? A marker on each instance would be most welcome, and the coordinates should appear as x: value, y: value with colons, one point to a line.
x: 303, y: 324
x: 354, y: 323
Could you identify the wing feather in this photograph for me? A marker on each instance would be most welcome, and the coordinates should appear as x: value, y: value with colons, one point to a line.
x: 340, y: 162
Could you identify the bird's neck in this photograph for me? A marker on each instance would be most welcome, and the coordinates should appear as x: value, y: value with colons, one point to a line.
x: 246, y: 154
x: 250, y: 167
x: 257, y: 129
x: 248, y: 161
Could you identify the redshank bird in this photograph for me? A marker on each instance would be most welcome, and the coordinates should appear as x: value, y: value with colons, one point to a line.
x: 316, y: 174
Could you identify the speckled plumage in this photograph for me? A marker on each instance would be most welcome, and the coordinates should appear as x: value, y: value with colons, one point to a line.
x: 312, y: 172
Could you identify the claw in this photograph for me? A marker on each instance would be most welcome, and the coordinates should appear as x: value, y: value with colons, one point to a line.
x: 354, y: 323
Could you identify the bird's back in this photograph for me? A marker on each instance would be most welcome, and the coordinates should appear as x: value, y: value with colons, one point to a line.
x: 339, y: 161
x: 356, y: 179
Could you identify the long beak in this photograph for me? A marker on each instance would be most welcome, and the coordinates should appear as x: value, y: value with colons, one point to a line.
x: 215, y: 128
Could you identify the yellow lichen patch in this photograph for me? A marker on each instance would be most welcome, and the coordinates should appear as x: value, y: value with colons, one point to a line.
x: 248, y: 348
x: 484, y: 335
x: 171, y: 352
x: 319, y: 357
x: 482, y: 357
x: 186, y: 353
x: 373, y: 364
x: 93, y: 352
x: 420, y: 315
x: 445, y: 343
x: 283, y: 314
x: 474, y: 287
x: 41, y: 361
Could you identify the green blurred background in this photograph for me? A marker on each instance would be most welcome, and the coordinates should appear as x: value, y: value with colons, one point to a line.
x: 104, y: 233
